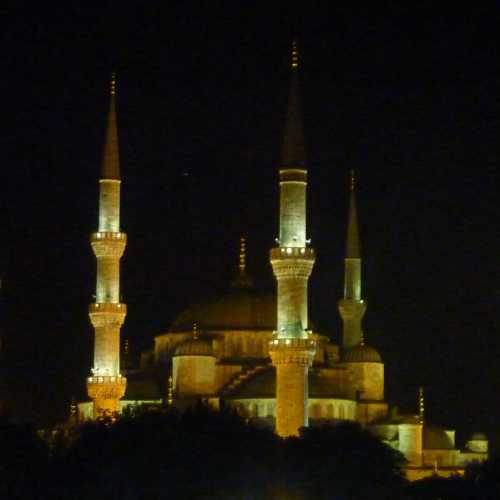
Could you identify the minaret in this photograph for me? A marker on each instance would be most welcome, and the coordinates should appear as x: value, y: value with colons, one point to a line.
x: 292, y: 348
x: 352, y: 308
x: 106, y: 386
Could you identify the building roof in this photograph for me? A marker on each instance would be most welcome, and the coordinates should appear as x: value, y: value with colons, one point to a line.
x: 361, y: 353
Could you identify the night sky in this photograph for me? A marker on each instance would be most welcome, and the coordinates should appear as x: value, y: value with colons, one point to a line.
x: 408, y: 97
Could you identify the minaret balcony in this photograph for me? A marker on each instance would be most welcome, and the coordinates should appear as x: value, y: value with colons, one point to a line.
x: 293, y: 343
x: 107, y: 235
x: 292, y: 253
x: 292, y: 351
x: 108, y: 244
x: 106, y: 387
x: 105, y: 314
x: 105, y: 307
x: 107, y: 379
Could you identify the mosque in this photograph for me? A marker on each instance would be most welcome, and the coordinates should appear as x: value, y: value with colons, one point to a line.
x: 253, y: 350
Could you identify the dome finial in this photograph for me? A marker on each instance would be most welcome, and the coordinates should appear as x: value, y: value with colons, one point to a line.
x: 421, y: 405
x: 195, y: 331
x: 352, y: 180
x: 295, y: 56
x: 242, y: 279
x: 113, y: 84
x: 243, y: 255
x: 170, y: 395
x: 73, y: 409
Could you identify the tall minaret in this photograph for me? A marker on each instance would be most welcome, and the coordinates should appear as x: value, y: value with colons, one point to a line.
x: 292, y: 348
x: 352, y: 308
x: 106, y: 386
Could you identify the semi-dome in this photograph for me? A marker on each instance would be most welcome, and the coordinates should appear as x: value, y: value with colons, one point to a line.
x: 241, y: 308
x: 361, y: 353
x: 195, y: 347
x: 262, y: 384
x: 437, y: 438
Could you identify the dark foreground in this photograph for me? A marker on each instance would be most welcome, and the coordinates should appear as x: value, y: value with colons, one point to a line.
x: 202, y: 454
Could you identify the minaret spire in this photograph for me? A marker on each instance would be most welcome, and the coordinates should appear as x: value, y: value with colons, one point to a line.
x: 352, y: 247
x: 352, y: 307
x: 292, y: 348
x: 293, y: 149
x: 106, y: 386
x: 111, y: 157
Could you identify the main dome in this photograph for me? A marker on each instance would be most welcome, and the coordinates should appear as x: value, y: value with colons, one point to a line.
x: 240, y: 308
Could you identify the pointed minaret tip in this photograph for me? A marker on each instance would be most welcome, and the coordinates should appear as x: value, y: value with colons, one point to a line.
x: 353, y: 246
x: 111, y: 158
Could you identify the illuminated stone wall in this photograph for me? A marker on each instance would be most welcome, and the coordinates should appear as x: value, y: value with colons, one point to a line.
x: 366, y: 380
x: 410, y: 442
x: 193, y: 375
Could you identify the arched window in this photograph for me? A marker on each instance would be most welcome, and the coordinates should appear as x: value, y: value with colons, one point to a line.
x: 250, y: 347
x: 270, y: 410
x: 329, y: 411
x: 315, y: 411
x: 341, y: 412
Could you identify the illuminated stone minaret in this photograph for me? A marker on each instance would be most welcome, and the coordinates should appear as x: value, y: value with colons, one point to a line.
x: 292, y: 348
x: 352, y: 307
x: 106, y: 386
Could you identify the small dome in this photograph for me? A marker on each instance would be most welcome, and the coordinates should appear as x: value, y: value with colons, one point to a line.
x: 361, y: 353
x: 195, y: 347
x: 478, y: 436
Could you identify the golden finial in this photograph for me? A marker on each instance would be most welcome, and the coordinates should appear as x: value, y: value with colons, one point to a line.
x: 125, y: 348
x: 113, y: 83
x: 195, y: 331
x: 352, y: 180
x: 295, y: 55
x: 421, y: 405
x: 170, y: 396
x: 72, y: 406
x: 243, y: 255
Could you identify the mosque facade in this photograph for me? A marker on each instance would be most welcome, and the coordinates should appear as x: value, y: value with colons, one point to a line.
x: 254, y: 350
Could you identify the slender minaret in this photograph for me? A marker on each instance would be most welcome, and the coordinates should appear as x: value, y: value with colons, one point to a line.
x: 106, y: 386
x: 292, y: 348
x: 352, y: 307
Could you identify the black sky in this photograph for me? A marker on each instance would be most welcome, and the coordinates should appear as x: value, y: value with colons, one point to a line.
x: 407, y: 97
